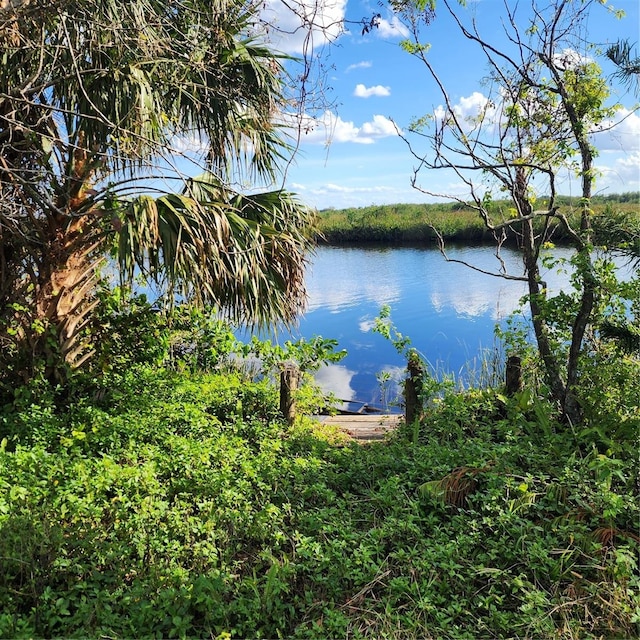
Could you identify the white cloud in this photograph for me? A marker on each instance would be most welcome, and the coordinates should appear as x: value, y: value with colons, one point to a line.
x: 620, y: 133
x: 336, y: 188
x: 379, y: 127
x: 331, y: 195
x: 331, y: 129
x: 365, y: 64
x: 366, y: 92
x: 392, y: 28
x: 630, y: 165
x: 570, y: 59
x: 340, y: 197
x: 303, y: 25
x: 189, y: 143
x: 469, y: 109
x: 622, y: 175
x: 473, y: 105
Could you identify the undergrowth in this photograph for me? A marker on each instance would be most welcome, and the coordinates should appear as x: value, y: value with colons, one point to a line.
x: 179, y: 504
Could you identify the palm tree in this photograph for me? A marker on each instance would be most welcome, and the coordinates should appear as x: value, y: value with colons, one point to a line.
x: 628, y: 66
x: 102, y: 103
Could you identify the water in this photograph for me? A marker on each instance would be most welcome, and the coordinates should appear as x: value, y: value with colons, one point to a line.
x: 447, y: 310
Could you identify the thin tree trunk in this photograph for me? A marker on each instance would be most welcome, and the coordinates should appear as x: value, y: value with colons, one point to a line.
x: 540, y: 329
x: 571, y: 406
x: 530, y: 255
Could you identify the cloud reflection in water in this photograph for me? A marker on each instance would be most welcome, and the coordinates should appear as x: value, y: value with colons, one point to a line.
x: 336, y: 379
x: 338, y: 279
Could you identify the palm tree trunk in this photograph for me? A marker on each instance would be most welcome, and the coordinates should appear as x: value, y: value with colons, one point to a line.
x: 63, y: 301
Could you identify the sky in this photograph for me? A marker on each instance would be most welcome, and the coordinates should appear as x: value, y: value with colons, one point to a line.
x: 351, y: 154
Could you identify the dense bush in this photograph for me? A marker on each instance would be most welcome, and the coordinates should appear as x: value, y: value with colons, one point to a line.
x: 178, y: 504
x: 166, y: 496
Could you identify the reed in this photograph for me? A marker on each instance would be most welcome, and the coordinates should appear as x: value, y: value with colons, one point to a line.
x: 456, y: 222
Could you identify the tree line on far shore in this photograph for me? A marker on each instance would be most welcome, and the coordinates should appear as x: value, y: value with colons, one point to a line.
x: 418, y: 223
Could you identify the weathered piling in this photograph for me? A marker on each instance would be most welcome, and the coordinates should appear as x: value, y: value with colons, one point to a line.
x: 289, y: 381
x: 413, y: 388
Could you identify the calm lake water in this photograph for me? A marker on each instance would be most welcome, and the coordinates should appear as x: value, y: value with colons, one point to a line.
x: 447, y: 310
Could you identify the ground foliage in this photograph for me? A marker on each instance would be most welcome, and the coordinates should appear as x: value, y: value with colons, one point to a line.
x: 172, y: 502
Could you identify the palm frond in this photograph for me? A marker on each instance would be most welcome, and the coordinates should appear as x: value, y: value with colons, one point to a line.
x: 622, y: 56
x: 626, y: 335
x: 127, y: 77
x: 93, y: 94
x: 244, y: 254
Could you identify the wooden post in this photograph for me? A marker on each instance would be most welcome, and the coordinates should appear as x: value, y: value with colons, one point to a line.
x: 413, y: 389
x: 513, y: 375
x: 289, y: 379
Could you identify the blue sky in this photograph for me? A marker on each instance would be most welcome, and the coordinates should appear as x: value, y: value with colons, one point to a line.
x: 352, y: 155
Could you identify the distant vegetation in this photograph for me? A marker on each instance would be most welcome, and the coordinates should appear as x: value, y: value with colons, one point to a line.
x: 457, y: 222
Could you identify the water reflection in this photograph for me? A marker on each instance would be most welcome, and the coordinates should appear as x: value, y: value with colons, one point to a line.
x: 339, y: 278
x: 448, y: 310
x: 471, y: 293
x: 336, y: 379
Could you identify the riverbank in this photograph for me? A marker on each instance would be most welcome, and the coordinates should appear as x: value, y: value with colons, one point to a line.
x: 417, y: 223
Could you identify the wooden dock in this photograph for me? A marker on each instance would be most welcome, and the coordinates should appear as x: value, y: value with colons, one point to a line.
x: 364, y: 427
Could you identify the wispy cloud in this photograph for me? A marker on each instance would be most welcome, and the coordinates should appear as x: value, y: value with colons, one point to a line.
x: 366, y: 92
x: 365, y: 64
x: 392, y: 28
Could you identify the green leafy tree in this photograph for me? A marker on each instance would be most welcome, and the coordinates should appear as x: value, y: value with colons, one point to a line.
x: 547, y: 95
x: 105, y: 108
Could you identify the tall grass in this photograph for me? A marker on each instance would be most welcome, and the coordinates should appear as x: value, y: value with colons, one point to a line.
x: 456, y: 222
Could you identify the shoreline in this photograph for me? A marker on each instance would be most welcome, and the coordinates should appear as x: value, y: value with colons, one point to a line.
x: 416, y: 224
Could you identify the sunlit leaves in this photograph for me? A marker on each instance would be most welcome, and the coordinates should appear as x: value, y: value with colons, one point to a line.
x: 414, y: 48
x: 95, y: 98
x: 587, y: 91
x: 244, y: 254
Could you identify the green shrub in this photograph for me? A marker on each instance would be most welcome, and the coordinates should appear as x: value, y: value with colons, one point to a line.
x: 182, y: 505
